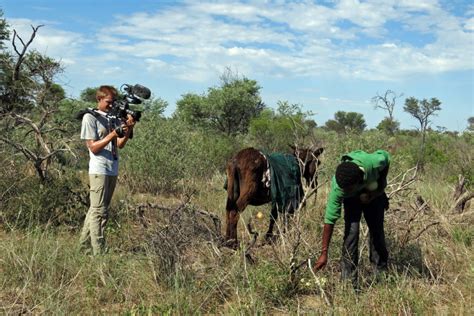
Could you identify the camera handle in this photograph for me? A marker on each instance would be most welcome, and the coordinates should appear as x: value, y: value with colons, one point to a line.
x: 120, y: 132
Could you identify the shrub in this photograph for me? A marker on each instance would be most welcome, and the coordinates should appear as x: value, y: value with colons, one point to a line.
x: 166, y: 154
x: 29, y: 202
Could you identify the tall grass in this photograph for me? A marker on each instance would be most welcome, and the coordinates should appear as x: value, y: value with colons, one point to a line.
x: 163, y: 260
x: 43, y: 271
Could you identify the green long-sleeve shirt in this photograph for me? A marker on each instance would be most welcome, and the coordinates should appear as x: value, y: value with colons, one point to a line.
x: 375, y: 167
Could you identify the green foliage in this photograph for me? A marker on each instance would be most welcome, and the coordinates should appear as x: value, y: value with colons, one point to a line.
x: 43, y: 273
x: 388, y: 126
x: 422, y: 110
x: 88, y: 95
x: 346, y: 123
x: 228, y: 108
x: 463, y: 235
x: 470, y: 122
x: 273, y: 283
x: 448, y: 156
x: 155, y: 107
x: 272, y: 131
x: 30, y: 101
x: 28, y: 202
x: 167, y: 154
x: 136, y: 278
x: 4, y: 32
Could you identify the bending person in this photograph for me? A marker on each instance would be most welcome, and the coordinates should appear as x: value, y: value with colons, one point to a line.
x: 358, y: 184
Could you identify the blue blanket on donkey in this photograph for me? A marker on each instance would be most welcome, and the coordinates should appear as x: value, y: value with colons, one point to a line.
x: 285, y: 176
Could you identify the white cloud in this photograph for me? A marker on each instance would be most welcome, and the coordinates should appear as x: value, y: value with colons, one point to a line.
x: 194, y: 40
x: 419, y: 6
x: 469, y: 25
x: 299, y: 38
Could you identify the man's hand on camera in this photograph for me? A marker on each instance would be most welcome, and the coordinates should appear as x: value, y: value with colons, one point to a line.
x: 130, y: 121
x: 121, y: 130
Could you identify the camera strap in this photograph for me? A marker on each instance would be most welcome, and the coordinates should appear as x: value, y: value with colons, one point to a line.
x: 81, y: 113
x: 110, y: 126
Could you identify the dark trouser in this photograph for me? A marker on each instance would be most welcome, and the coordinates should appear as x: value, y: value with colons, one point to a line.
x: 374, y: 216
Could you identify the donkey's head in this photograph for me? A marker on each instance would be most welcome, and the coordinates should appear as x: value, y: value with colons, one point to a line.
x: 309, y: 162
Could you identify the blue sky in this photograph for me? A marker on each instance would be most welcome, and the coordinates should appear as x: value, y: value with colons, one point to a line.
x: 324, y: 55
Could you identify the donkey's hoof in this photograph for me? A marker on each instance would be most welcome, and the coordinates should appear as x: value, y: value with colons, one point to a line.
x: 231, y: 243
x: 270, y: 238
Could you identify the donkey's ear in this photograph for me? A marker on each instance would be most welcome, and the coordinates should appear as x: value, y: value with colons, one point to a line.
x: 318, y: 151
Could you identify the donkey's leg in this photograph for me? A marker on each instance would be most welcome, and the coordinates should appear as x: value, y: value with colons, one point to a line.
x: 273, y: 218
x: 247, y: 193
x: 232, y: 219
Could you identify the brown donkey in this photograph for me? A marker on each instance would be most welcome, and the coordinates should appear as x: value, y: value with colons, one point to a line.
x: 248, y: 179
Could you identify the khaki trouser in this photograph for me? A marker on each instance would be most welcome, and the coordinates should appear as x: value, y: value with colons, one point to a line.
x: 101, y: 191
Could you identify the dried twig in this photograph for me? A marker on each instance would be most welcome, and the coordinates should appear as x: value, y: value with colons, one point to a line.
x: 317, y: 281
x: 407, y: 179
x: 252, y: 242
x: 461, y: 202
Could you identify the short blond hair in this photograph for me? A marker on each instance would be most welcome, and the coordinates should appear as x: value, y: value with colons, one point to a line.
x: 105, y: 91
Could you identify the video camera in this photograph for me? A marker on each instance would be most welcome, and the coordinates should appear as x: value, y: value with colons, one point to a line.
x: 131, y: 95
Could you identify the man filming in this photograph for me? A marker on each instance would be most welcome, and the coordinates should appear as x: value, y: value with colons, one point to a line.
x: 103, y: 135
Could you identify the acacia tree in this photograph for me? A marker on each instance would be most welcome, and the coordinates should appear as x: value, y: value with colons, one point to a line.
x: 88, y: 95
x: 30, y: 98
x: 228, y: 108
x: 387, y: 102
x: 422, y: 111
x: 346, y: 123
x: 470, y: 121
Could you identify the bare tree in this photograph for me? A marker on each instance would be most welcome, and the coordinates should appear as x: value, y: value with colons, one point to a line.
x: 387, y: 102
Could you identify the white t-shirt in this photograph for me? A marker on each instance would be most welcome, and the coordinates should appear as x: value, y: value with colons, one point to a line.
x: 94, y: 128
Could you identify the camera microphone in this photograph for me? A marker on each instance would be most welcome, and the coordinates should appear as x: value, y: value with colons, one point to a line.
x: 140, y: 91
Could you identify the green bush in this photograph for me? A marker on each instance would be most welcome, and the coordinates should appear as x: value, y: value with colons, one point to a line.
x: 167, y: 154
x: 274, y: 131
x: 463, y: 235
x: 30, y: 202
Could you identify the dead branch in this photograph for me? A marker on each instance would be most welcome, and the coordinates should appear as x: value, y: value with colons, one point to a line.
x: 461, y: 202
x: 407, y: 179
x: 425, y: 229
x: 216, y: 220
x: 176, y: 210
x: 21, y: 54
x: 294, y: 253
x: 419, y: 208
x: 323, y: 293
x: 307, y: 195
x: 460, y: 188
x: 422, y: 204
x: 25, y: 151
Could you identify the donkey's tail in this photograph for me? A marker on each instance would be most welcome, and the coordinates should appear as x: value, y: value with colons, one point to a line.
x: 233, y: 186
